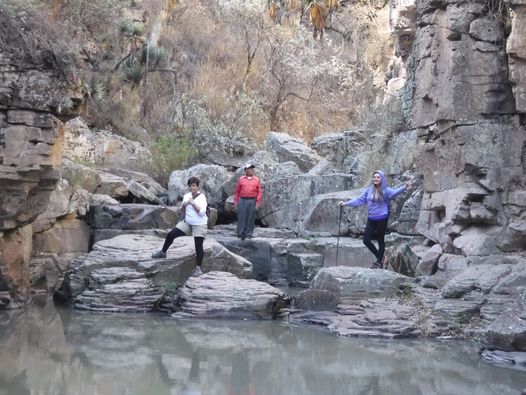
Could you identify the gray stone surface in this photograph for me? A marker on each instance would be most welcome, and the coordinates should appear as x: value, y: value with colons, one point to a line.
x: 289, y: 148
x: 222, y: 295
x: 355, y: 281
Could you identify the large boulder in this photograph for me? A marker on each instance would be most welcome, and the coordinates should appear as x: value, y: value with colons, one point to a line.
x: 289, y: 148
x: 357, y: 281
x: 133, y: 216
x: 211, y: 178
x: 120, y: 275
x: 343, y: 150
x: 289, y: 200
x: 267, y: 166
x: 101, y: 148
x: 222, y: 295
x: 508, y: 331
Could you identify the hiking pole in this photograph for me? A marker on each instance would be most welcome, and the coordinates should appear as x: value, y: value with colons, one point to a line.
x: 338, y: 239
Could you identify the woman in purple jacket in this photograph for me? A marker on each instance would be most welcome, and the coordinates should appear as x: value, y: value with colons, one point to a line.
x: 377, y: 197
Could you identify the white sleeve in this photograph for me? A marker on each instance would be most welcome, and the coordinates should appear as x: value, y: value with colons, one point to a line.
x: 202, y: 203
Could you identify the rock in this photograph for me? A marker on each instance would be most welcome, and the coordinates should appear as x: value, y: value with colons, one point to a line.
x: 500, y: 358
x: 120, y: 275
x: 302, y: 267
x: 140, y: 194
x: 102, y: 148
x: 374, y: 318
x: 211, y: 178
x: 355, y: 281
x: 440, y: 90
x: 222, y: 295
x: 289, y: 148
x: 66, y: 236
x: 317, y: 300
x: 429, y: 262
x: 133, y: 217
x: 508, y: 331
x: 517, y: 55
x: 477, y: 277
x: 142, y: 178
x: 343, y: 149
x: 351, y: 251
x: 268, y: 167
x: 403, y: 260
x: 301, y: 203
x: 224, y: 260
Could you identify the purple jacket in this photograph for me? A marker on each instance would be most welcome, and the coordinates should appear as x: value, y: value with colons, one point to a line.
x: 376, y: 210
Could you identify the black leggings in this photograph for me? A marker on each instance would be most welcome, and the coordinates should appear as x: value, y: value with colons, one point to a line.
x: 379, y: 227
x: 198, y: 241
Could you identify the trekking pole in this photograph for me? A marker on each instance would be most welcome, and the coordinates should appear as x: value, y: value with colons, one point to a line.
x: 338, y: 239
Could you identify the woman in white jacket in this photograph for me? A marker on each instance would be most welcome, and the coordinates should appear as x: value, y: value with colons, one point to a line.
x: 194, y: 223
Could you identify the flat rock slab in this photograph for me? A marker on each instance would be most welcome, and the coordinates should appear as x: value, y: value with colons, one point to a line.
x: 120, y: 275
x: 376, y: 318
x: 515, y: 360
x: 357, y: 281
x: 223, y: 295
x: 508, y: 331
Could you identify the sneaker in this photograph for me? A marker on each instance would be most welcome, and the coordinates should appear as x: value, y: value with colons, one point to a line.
x: 375, y: 265
x: 159, y: 254
x: 196, y: 272
x: 249, y: 237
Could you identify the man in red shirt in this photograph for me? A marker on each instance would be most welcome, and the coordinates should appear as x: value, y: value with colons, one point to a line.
x: 247, y: 199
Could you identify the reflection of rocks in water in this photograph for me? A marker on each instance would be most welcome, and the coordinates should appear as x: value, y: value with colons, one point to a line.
x: 57, y: 352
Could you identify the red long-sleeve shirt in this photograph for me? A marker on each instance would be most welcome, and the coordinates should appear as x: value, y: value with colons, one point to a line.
x: 248, y: 188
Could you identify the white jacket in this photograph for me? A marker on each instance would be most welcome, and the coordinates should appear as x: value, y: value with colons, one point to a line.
x: 193, y: 217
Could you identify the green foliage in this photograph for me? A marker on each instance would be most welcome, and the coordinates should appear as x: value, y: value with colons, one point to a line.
x: 171, y: 152
x: 169, y: 289
x: 134, y: 29
x: 133, y: 71
x: 95, y: 89
x: 155, y: 56
x: 64, y: 105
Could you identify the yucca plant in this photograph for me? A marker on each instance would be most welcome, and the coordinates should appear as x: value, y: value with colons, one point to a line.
x: 64, y: 105
x: 133, y: 71
x: 134, y: 29
x: 95, y: 89
x: 156, y: 56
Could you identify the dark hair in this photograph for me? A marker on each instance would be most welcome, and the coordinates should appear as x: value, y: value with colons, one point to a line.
x: 193, y: 180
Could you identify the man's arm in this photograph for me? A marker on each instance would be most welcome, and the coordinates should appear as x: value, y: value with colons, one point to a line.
x: 259, y: 197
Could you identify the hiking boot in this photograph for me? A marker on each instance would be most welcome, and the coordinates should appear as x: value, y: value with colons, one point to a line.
x: 196, y: 272
x: 159, y: 254
x: 375, y: 265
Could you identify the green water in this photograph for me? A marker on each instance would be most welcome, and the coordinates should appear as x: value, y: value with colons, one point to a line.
x: 46, y: 351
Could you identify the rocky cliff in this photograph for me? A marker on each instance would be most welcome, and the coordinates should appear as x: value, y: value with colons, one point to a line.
x: 459, y: 71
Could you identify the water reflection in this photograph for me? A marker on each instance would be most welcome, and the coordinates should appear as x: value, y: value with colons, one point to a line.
x: 50, y: 351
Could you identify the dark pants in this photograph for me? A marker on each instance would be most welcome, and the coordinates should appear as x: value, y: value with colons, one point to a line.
x: 246, y: 216
x: 198, y: 241
x: 378, y: 227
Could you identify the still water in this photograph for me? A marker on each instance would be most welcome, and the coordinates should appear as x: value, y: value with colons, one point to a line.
x: 50, y: 351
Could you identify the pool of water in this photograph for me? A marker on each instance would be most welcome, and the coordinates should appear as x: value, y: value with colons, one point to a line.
x: 45, y: 350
